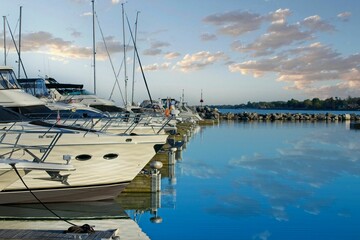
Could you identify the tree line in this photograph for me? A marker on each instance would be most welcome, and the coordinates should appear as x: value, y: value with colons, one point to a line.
x: 350, y: 103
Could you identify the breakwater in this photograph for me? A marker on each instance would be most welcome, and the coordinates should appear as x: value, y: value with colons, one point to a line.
x: 209, y: 113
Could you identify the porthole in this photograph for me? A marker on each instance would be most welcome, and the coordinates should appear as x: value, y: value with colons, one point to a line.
x: 83, y: 157
x: 110, y: 156
x: 128, y: 140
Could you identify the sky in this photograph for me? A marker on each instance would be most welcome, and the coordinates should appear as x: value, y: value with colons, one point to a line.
x: 225, y: 52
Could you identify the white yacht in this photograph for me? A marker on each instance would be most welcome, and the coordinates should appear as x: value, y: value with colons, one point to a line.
x: 71, y: 98
x: 13, y: 169
x: 105, y: 163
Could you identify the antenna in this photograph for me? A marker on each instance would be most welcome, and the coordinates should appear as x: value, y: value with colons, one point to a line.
x: 19, y: 61
x: 94, y: 50
x: 126, y: 98
x: 133, y: 80
x: 4, y: 18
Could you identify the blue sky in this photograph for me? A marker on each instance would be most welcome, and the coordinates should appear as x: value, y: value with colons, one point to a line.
x: 234, y: 51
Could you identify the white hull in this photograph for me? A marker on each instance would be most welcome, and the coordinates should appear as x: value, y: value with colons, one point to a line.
x: 8, y: 175
x: 129, y: 154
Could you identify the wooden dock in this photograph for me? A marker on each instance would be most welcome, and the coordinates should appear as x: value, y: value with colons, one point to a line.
x: 54, y: 234
x: 123, y: 228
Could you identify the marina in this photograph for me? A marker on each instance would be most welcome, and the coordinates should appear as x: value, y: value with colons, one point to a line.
x: 99, y: 141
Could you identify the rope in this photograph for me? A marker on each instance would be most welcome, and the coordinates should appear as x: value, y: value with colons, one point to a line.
x: 22, y: 180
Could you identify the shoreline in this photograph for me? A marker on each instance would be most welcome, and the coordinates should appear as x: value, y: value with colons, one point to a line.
x: 215, y: 114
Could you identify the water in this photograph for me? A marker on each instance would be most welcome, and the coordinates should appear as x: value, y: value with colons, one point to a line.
x: 235, y: 180
x: 269, y: 111
x: 263, y: 181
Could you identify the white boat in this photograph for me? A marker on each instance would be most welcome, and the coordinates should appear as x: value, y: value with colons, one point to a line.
x: 104, y: 163
x: 12, y: 169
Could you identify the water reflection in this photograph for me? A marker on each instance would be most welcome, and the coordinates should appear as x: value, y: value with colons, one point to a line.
x: 271, y: 178
x: 297, y: 172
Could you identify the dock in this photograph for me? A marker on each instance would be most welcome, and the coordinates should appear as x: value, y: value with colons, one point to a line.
x: 124, y: 229
x: 54, y: 234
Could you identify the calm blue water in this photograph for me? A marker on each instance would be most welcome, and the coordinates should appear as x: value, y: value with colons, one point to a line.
x: 267, y: 111
x: 263, y: 181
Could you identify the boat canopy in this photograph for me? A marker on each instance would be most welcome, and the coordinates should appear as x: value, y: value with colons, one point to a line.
x: 34, y: 86
x: 8, y: 78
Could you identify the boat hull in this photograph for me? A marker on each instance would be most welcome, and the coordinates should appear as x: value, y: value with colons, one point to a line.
x: 99, y: 159
x: 68, y: 194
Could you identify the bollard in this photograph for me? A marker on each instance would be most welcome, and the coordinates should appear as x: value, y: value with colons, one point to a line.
x: 155, y: 176
x: 171, y: 155
x: 185, y: 138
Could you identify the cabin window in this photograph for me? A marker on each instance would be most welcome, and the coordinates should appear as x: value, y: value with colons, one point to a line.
x: 110, y: 156
x: 83, y: 157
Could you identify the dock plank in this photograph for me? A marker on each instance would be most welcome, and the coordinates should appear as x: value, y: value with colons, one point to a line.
x: 53, y: 234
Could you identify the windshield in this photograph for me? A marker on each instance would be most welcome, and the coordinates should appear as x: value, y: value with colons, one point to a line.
x: 35, y: 87
x: 67, y: 91
x: 8, y: 79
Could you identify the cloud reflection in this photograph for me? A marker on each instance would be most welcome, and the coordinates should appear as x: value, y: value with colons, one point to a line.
x: 295, y: 174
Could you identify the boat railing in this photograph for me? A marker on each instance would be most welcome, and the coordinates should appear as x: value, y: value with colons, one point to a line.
x: 165, y: 123
x: 14, y: 144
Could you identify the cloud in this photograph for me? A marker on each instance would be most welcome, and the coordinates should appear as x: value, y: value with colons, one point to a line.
x: 235, y: 23
x: 279, y: 16
x: 199, y: 60
x: 156, y: 48
x: 262, y: 236
x: 85, y: 14
x: 316, y: 24
x: 344, y: 16
x: 208, y: 37
x: 60, y: 49
x: 45, y: 42
x: 292, y: 176
x: 305, y: 66
x: 152, y: 51
x: 278, y: 35
x: 156, y: 66
x: 112, y: 46
x: 74, y: 33
x: 172, y: 55
x: 236, y: 206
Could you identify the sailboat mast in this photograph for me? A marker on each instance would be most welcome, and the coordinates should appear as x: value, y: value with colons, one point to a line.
x: 4, y: 18
x: 126, y: 98
x: 19, y: 60
x: 133, y: 77
x: 94, y: 50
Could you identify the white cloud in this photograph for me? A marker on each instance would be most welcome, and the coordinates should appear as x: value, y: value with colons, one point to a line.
x: 278, y: 35
x: 171, y: 55
x: 344, y: 16
x: 315, y: 23
x: 304, y: 67
x: 199, y: 60
x: 156, y: 67
x: 235, y: 23
x: 208, y: 37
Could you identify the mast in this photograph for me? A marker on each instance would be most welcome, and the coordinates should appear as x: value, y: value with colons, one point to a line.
x: 94, y: 50
x: 126, y: 98
x: 201, y: 99
x: 19, y: 60
x: 133, y: 77
x: 4, y: 18
x: 183, y: 97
